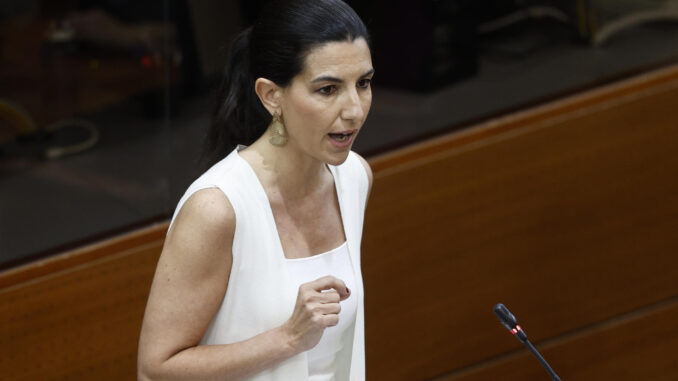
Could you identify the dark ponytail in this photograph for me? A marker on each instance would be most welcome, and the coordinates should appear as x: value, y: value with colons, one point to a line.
x: 274, y: 48
x: 238, y: 116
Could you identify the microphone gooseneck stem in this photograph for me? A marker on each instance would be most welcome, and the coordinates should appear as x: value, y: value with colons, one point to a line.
x: 543, y: 362
x: 511, y: 323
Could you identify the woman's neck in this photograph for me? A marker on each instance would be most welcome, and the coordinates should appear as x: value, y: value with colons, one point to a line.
x: 291, y: 171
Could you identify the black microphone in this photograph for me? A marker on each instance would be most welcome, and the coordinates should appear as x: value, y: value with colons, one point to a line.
x: 511, y: 323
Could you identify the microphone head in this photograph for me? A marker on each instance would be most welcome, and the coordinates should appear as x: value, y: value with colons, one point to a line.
x: 505, y: 316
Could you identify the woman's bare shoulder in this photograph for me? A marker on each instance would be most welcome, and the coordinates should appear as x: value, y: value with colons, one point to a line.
x: 206, y: 221
x: 209, y: 208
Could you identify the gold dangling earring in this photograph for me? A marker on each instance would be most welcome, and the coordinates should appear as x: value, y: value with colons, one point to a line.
x: 278, y: 132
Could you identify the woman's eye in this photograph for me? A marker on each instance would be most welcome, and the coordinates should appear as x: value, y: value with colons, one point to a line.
x: 364, y: 83
x: 328, y: 90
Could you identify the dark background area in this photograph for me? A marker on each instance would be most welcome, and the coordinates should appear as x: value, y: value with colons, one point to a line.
x: 103, y: 104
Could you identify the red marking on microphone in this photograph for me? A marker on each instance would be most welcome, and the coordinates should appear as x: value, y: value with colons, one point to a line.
x: 516, y: 329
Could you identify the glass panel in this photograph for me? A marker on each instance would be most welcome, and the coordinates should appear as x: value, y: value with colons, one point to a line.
x: 84, y: 129
x: 104, y: 103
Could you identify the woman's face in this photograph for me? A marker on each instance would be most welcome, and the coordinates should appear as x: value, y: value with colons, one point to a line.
x: 325, y: 106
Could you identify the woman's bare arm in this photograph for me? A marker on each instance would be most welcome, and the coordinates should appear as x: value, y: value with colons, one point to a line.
x: 188, y: 287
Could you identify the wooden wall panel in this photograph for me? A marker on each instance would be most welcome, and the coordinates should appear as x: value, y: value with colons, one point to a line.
x: 569, y: 220
x: 79, y: 323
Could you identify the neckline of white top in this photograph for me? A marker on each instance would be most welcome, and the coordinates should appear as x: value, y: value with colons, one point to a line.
x: 271, y: 217
x: 318, y: 256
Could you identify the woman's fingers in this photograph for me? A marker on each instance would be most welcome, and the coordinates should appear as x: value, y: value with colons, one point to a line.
x: 330, y: 296
x: 326, y: 315
x: 317, y: 308
x: 326, y: 308
x: 321, y: 298
x: 328, y: 283
x: 330, y: 320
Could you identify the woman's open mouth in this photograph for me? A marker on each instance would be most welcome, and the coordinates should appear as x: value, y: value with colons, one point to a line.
x: 342, y: 139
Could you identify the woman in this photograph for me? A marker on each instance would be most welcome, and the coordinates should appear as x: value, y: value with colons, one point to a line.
x: 260, y: 274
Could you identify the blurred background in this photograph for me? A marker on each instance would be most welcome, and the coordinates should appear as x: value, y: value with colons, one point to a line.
x: 104, y: 105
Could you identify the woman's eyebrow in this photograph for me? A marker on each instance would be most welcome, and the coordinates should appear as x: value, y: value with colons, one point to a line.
x: 328, y: 78
x: 371, y: 71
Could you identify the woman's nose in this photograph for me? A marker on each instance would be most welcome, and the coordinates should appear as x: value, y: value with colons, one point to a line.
x: 353, y: 109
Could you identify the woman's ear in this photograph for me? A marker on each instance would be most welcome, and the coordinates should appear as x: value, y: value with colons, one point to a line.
x: 269, y: 93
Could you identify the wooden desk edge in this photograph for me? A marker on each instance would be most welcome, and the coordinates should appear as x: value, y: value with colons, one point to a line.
x: 85, y: 254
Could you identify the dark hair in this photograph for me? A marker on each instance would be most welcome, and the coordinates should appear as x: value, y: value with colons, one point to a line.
x: 274, y: 48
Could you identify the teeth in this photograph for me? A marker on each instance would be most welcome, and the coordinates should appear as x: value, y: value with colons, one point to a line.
x: 341, y: 137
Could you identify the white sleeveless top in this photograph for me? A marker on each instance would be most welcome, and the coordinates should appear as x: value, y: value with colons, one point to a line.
x: 336, y: 262
x: 261, y: 292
